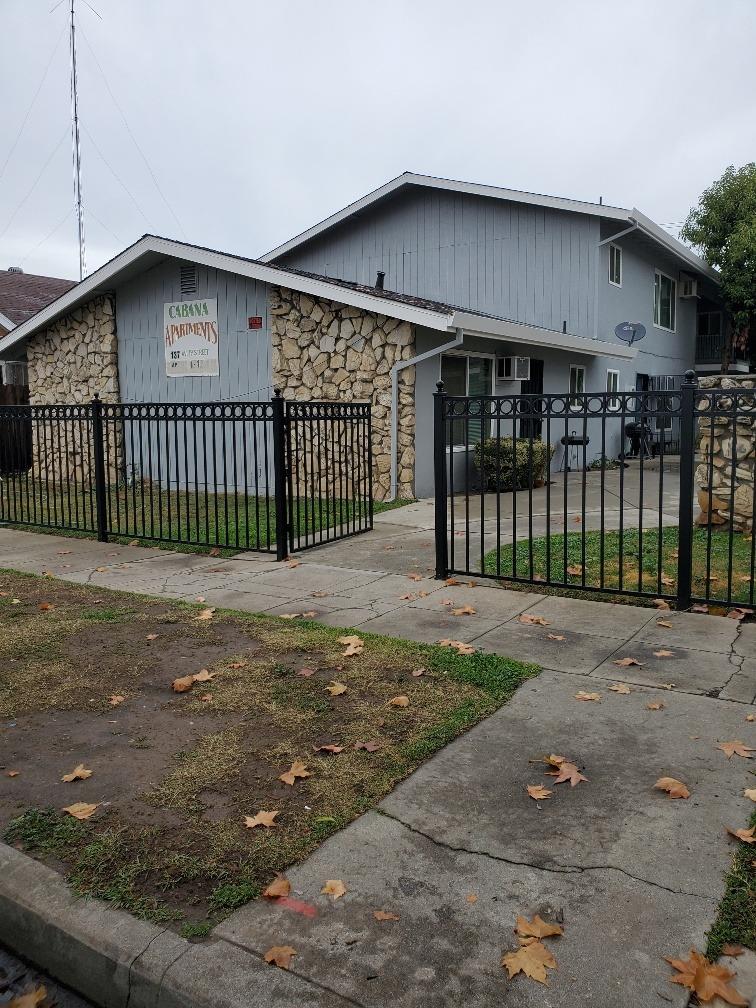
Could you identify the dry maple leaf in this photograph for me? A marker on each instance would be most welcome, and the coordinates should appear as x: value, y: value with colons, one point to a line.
x: 659, y: 705
x: 280, y: 955
x: 699, y: 607
x: 32, y: 999
x: 298, y: 769
x: 79, y: 772
x: 354, y: 645
x: 204, y: 675
x: 627, y: 662
x: 289, y: 615
x: 310, y: 614
x: 536, y: 928
x: 661, y: 603
x: 336, y: 688
x: 674, y: 788
x: 556, y: 636
x: 416, y: 673
x: 472, y: 897
x: 575, y: 571
x: 451, y: 582
x: 399, y: 701
x: 664, y: 623
x: 667, y: 685
x: 151, y: 636
x: 280, y: 886
x: 538, y: 791
x: 183, y: 683
x: 666, y: 580
x: 446, y: 602
x: 415, y: 577
x: 261, y: 819
x: 384, y: 915
x: 459, y: 646
x: 736, y: 748
x: 334, y: 888
x: 329, y: 747
x: 738, y: 614
x: 205, y: 614
x: 582, y: 695
x: 706, y: 980
x: 214, y: 552
x: 732, y: 950
x: 565, y: 772
x: 80, y: 810
x: 532, y: 958
x: 620, y: 687
x: 529, y: 620
x: 409, y: 597
x: 12, y: 773
x: 750, y: 793
x: 466, y: 610
x: 750, y: 717
x: 115, y: 699
x: 746, y: 835
x: 368, y: 746
x: 46, y: 606
x: 664, y: 654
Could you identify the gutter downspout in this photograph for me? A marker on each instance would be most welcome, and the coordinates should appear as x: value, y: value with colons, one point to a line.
x: 620, y: 234
x: 400, y: 366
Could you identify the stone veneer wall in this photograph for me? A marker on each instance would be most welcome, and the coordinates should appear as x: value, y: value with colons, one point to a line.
x: 327, y: 351
x: 76, y: 357
x: 723, y: 502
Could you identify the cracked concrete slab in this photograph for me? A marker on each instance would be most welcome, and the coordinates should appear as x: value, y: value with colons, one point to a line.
x: 565, y: 650
x: 428, y: 626
x: 595, y: 618
x: 691, y: 630
x: 689, y: 671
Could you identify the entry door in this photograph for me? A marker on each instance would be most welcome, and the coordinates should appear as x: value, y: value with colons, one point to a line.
x: 533, y: 386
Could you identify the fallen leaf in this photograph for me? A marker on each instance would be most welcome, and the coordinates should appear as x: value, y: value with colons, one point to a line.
x: 329, y: 748
x: 738, y: 614
x: 46, y: 606
x: 32, y: 999
x: 750, y: 717
x: 664, y: 623
x: 667, y: 685
x: 661, y: 603
x: 466, y: 610
x: 416, y: 673
x: 214, y: 552
x: 532, y: 958
x: 280, y: 886
x: 320, y: 594
x: 746, y: 835
x: 115, y: 699
x: 79, y: 772
x: 261, y: 819
x: 582, y: 695
x: 12, y: 773
x: 459, y: 646
x: 664, y: 654
x: 280, y: 955
x: 151, y: 636
x: 620, y: 687
x: 80, y: 810
x: 310, y: 614
x: 536, y: 928
x: 627, y: 662
x: 674, y: 788
x: 205, y: 614
x: 200, y: 598
x: 204, y: 675
x: 565, y: 772
x: 399, y: 701
x: 409, y: 597
x: 297, y: 906
x: 384, y: 915
x: 750, y: 793
x: 206, y: 698
x: 451, y: 582
x: 655, y: 706
x: 556, y: 636
x: 529, y: 620
x: 183, y: 683
x: 354, y: 645
x: 306, y: 672
x: 706, y: 980
x: 699, y: 607
x: 472, y: 898
x: 368, y: 746
x: 446, y: 602
x: 736, y: 748
x: 538, y: 791
x: 289, y: 615
x: 732, y: 950
x: 575, y: 571
x: 415, y: 577
x: 298, y: 769
x: 336, y: 688
x: 577, y: 519
x: 334, y: 888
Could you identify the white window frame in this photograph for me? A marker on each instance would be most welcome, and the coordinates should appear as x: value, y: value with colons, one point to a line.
x: 468, y: 354
x: 618, y: 252
x: 657, y: 318
x: 574, y: 368
x: 613, y: 404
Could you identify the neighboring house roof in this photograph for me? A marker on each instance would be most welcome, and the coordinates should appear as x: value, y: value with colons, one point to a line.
x: 23, y: 294
x: 629, y: 217
x: 151, y: 249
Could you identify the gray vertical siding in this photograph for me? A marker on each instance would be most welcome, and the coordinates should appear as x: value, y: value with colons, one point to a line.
x: 510, y: 259
x: 245, y: 354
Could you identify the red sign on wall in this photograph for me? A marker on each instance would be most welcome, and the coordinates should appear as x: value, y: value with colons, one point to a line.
x: 254, y: 322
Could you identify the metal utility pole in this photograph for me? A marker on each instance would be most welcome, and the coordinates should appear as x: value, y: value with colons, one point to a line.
x: 76, y: 148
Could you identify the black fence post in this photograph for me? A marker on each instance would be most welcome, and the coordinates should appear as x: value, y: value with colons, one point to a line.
x: 98, y: 453
x: 687, y: 469
x: 440, y: 483
x: 279, y: 475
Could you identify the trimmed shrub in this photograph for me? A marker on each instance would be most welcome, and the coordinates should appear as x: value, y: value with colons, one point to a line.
x: 509, y: 464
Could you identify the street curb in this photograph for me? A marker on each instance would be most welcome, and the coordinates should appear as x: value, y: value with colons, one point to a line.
x: 117, y: 961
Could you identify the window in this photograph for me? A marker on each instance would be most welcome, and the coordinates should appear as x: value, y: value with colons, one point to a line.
x: 464, y: 374
x: 665, y: 301
x: 615, y: 265
x: 612, y: 387
x: 577, y: 385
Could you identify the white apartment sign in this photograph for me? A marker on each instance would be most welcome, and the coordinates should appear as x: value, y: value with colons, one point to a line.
x: 191, y: 338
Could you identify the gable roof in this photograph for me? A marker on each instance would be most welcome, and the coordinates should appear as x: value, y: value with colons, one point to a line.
x: 24, y: 294
x: 628, y: 217
x: 151, y: 249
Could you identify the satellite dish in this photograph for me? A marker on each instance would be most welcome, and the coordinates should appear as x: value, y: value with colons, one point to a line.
x: 630, y: 332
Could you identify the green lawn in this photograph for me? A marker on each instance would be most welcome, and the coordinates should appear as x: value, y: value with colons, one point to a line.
x: 199, y: 520
x: 590, y: 553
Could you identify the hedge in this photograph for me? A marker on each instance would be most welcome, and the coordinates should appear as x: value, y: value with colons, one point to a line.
x: 512, y: 463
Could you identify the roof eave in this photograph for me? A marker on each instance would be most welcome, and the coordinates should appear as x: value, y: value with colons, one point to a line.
x: 521, y: 332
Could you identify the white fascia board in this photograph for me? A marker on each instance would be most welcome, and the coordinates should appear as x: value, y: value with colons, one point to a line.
x: 449, y: 185
x: 674, y: 246
x: 107, y: 275
x: 6, y: 323
x: 520, y: 332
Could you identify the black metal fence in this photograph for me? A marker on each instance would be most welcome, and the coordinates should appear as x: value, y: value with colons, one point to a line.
x: 580, y: 492
x: 273, y: 476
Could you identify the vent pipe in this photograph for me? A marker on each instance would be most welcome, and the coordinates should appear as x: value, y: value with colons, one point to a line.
x: 380, y: 276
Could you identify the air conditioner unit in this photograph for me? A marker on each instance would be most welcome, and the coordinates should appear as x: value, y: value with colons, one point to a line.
x: 513, y: 368
x: 688, y: 286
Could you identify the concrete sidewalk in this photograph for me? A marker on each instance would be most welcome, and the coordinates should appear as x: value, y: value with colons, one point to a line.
x: 635, y: 875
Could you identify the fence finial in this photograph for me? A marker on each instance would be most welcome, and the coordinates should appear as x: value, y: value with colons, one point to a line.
x: 690, y: 376
x: 439, y: 386
x: 277, y: 393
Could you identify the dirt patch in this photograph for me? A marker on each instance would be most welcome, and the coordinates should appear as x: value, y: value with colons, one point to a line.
x: 174, y: 774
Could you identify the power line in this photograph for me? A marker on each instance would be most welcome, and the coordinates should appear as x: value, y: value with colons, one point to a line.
x: 36, y: 181
x: 105, y: 226
x: 47, y: 237
x: 116, y: 176
x: 131, y: 134
x: 32, y: 103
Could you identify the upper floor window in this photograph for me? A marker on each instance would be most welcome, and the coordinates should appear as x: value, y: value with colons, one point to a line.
x: 615, y: 265
x: 577, y: 385
x: 665, y: 301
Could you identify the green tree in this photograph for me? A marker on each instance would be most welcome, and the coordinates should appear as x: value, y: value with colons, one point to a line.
x: 723, y: 229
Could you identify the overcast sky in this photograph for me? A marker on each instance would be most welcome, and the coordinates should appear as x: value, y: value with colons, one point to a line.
x: 259, y: 119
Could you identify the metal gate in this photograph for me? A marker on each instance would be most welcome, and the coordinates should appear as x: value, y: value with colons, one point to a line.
x: 603, y: 501
x: 273, y: 476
